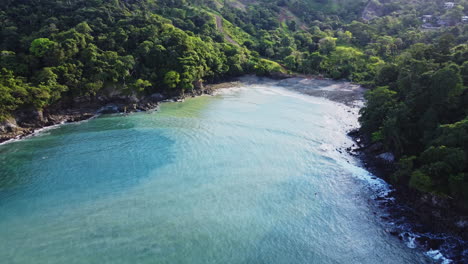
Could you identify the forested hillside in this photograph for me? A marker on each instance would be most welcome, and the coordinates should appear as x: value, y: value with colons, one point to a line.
x: 417, y: 69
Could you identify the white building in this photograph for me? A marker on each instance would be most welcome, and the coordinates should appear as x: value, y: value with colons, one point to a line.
x: 449, y: 5
x: 464, y: 19
x: 426, y: 18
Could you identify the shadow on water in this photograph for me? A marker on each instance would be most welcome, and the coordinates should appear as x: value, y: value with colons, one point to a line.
x: 96, y: 157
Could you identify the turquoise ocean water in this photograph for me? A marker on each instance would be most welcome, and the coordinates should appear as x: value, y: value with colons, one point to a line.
x: 251, y: 175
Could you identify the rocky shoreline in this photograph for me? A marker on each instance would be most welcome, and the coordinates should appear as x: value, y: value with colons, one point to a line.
x: 26, y: 122
x: 426, y: 221
x: 429, y: 222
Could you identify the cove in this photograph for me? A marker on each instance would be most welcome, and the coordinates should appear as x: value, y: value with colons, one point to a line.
x: 251, y: 175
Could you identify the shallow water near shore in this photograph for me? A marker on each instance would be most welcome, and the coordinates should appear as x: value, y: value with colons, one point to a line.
x: 251, y: 175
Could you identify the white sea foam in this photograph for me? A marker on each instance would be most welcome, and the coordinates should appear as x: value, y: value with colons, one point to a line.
x: 39, y: 131
x: 11, y: 140
x: 410, y: 240
x: 438, y: 256
x: 43, y: 130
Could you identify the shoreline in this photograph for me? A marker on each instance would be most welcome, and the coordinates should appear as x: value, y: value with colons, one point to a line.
x: 36, y: 121
x: 400, y: 214
x: 420, y: 220
x: 26, y: 123
x: 426, y: 222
